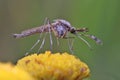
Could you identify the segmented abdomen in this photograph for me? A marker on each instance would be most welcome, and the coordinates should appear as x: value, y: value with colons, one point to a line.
x: 31, y: 31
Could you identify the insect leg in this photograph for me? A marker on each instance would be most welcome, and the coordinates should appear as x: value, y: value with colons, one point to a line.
x: 57, y: 41
x: 43, y: 41
x: 35, y: 44
x: 70, y: 45
x: 51, y: 42
x: 79, y: 36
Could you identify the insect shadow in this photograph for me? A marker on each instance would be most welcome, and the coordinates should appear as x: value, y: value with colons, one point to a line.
x: 60, y: 28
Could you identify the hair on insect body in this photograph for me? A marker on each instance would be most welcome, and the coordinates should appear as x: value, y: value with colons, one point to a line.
x: 60, y: 28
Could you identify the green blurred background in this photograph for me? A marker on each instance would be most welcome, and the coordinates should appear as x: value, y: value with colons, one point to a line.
x: 102, y: 17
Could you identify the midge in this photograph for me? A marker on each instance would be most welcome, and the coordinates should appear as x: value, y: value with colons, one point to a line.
x: 60, y: 28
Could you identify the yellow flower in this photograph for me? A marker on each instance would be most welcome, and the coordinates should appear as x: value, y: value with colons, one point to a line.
x: 9, y: 72
x: 56, y: 66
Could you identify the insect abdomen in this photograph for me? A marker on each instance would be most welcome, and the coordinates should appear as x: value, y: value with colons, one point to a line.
x: 31, y: 31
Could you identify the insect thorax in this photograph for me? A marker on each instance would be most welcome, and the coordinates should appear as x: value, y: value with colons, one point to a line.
x: 61, y: 28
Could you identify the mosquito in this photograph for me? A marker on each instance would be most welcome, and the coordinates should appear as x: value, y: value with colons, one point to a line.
x: 60, y: 28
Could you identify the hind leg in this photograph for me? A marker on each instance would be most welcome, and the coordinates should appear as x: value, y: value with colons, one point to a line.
x: 50, y: 35
x: 43, y: 41
x: 35, y: 44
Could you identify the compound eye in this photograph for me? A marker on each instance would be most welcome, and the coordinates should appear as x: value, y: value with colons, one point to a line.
x: 72, y: 30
